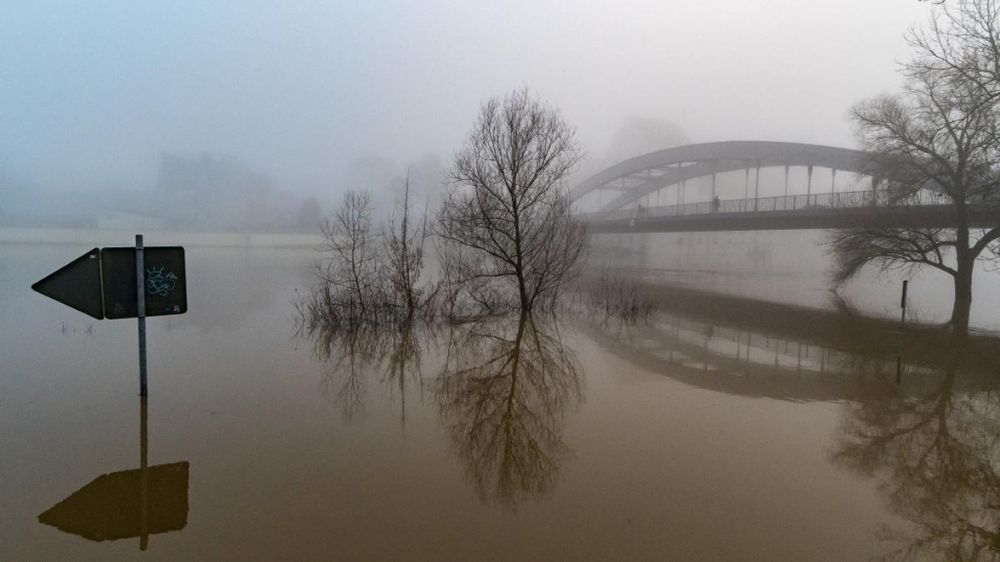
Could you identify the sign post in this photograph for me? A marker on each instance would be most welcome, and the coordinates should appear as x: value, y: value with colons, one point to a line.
x: 129, y: 282
x: 902, y: 328
x: 125, y: 282
x: 143, y: 472
x: 140, y: 297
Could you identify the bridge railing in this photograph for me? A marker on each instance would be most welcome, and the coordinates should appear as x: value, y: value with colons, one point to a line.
x: 836, y: 200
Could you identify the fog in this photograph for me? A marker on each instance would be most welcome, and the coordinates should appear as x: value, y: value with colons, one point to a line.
x: 313, y: 98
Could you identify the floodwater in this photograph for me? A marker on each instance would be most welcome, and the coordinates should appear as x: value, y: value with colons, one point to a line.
x: 725, y: 428
x: 792, y: 267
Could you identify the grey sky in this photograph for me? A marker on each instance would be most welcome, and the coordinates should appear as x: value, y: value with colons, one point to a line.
x: 93, y: 92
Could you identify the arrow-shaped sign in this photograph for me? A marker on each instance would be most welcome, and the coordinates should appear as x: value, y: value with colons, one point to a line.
x: 77, y: 284
x: 123, y: 283
x: 102, y: 282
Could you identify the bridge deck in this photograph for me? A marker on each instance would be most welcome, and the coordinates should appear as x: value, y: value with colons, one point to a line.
x: 856, y: 209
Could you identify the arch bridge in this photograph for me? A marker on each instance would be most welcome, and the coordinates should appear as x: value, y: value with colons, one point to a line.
x: 676, y: 190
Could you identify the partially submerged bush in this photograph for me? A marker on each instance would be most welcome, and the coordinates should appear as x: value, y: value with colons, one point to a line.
x: 615, y: 297
x: 368, y: 277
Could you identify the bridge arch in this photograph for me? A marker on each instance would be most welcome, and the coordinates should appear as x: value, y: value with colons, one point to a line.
x: 649, y: 173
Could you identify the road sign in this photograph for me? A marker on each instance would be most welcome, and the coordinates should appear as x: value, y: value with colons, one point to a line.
x: 123, y: 283
x: 77, y: 284
x: 166, y: 287
x: 102, y: 282
x: 112, y: 506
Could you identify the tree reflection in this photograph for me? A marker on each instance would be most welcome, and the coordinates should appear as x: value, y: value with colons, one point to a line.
x: 503, y: 393
x: 353, y: 355
x: 936, y: 458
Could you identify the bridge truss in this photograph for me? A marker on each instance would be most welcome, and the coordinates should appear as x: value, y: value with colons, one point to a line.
x: 632, y: 183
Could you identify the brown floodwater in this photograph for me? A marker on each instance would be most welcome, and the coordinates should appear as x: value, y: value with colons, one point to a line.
x: 725, y: 428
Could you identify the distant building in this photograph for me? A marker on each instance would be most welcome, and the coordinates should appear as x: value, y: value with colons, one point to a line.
x: 221, y: 194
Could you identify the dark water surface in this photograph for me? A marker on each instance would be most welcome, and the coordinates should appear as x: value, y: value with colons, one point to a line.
x: 725, y: 429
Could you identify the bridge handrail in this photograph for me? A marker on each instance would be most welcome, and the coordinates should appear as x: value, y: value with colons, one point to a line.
x: 835, y: 200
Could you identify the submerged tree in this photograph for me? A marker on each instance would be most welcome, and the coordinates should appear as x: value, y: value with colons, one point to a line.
x: 404, y: 256
x: 941, y: 135
x: 350, y: 278
x: 510, y: 219
x: 369, y: 276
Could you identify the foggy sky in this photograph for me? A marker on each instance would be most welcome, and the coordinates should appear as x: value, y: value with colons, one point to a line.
x: 91, y: 95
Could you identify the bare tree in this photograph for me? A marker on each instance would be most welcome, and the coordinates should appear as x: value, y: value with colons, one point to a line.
x: 616, y: 297
x: 510, y: 219
x: 404, y: 255
x: 351, y: 275
x: 942, y: 134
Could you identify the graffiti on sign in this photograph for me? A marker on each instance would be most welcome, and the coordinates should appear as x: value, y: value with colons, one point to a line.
x: 160, y: 283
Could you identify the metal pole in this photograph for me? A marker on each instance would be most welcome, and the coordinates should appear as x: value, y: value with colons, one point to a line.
x: 902, y: 326
x: 140, y: 289
x: 143, y: 475
x: 786, y: 180
x: 902, y: 304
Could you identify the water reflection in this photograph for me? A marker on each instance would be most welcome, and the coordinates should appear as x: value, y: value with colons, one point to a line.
x: 936, y: 457
x: 127, y: 504
x: 502, y: 389
x: 352, y: 356
x: 754, y: 348
x: 503, y: 395
x: 931, y: 440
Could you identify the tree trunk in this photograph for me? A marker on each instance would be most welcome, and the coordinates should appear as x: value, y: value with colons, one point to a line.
x: 963, y: 296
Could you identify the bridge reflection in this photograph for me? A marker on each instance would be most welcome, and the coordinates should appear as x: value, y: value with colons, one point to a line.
x: 760, y: 349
